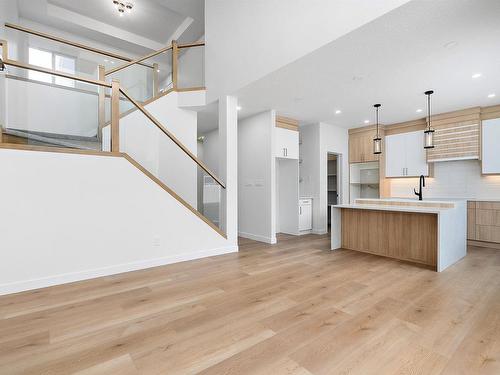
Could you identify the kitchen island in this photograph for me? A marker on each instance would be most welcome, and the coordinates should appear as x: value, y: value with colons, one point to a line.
x: 432, y: 233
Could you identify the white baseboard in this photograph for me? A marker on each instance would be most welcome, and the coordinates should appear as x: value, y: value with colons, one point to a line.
x: 21, y: 286
x: 256, y: 237
x: 319, y: 231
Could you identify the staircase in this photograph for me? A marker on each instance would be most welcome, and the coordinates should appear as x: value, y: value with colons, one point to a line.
x: 115, y: 113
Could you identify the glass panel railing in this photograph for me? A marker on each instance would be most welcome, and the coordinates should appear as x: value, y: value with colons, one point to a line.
x: 191, y: 67
x: 54, y: 55
x: 146, y: 79
x: 49, y: 114
x: 172, y: 165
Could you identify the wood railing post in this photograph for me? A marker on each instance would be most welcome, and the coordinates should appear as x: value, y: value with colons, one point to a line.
x: 115, y: 116
x: 155, y: 80
x: 175, y: 60
x: 101, y: 102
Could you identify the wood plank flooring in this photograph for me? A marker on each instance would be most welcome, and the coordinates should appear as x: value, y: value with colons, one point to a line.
x: 293, y: 308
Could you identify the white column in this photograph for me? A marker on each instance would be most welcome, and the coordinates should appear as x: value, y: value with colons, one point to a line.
x: 228, y: 138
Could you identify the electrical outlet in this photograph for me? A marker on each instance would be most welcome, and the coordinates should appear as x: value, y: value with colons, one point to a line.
x: 156, y: 241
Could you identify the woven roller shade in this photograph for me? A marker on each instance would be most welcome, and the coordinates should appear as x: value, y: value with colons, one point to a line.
x: 457, y: 136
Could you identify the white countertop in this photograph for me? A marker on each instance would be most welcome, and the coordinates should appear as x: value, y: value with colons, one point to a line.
x: 382, y: 207
x: 404, y: 207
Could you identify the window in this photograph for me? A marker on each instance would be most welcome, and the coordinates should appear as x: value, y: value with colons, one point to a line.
x: 54, y: 61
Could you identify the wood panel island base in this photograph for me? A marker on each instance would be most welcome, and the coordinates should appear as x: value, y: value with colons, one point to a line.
x: 432, y: 233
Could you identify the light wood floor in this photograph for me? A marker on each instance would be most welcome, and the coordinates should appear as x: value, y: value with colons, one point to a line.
x: 293, y: 308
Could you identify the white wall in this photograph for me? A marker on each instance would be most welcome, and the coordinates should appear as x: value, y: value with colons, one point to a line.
x: 453, y: 179
x: 256, y: 180
x: 73, y: 217
x: 208, y: 152
x: 317, y: 141
x: 142, y: 140
x: 248, y: 39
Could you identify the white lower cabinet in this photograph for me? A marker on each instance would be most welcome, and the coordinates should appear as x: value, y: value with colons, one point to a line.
x: 305, y: 214
x: 405, y: 155
x: 490, y: 150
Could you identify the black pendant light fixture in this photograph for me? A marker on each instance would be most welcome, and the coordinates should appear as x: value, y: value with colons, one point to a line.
x: 429, y: 132
x: 377, y: 141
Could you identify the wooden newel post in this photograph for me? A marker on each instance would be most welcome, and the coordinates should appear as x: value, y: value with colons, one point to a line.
x: 115, y: 116
x: 175, y: 60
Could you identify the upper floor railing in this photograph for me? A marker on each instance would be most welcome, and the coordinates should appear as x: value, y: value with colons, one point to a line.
x: 56, y: 110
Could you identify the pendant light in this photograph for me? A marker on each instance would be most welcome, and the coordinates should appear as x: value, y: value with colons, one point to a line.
x: 429, y: 132
x: 377, y: 141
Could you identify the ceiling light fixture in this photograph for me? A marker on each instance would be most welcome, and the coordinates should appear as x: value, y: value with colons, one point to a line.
x: 492, y: 95
x: 338, y: 112
x: 476, y: 75
x: 238, y: 108
x: 377, y: 141
x: 419, y: 110
x: 429, y: 132
x: 367, y: 121
x: 122, y: 7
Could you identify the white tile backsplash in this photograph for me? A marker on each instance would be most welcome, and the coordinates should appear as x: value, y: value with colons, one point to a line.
x: 452, y: 179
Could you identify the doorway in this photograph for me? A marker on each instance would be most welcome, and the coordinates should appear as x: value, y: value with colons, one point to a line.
x: 333, y: 178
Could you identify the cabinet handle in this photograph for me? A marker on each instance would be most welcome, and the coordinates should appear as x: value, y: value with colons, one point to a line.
x: 300, y: 210
x: 286, y: 151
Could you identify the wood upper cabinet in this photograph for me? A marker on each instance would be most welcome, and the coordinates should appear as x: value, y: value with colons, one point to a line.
x: 405, y: 155
x: 361, y: 147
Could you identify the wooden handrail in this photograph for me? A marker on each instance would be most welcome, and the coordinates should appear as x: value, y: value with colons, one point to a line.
x: 189, y: 45
x: 153, y: 54
x: 70, y: 43
x: 21, y: 65
x: 172, y: 137
x: 137, y: 61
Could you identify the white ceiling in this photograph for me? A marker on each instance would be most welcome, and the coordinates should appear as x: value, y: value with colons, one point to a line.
x: 151, y: 25
x: 392, y: 60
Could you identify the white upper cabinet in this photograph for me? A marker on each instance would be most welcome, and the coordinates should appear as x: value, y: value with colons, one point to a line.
x: 405, y: 155
x: 491, y: 151
x: 287, y: 143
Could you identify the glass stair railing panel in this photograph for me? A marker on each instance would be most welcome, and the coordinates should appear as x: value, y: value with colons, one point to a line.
x: 46, y: 113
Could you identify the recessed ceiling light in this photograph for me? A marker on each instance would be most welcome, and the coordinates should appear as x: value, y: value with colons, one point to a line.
x: 338, y: 112
x: 419, y: 110
x: 492, y: 95
x: 476, y: 75
x: 367, y: 121
x: 158, y: 70
x: 238, y: 108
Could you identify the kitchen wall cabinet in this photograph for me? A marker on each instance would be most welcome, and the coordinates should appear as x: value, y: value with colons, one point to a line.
x: 286, y: 144
x: 405, y: 155
x: 361, y: 147
x: 490, y: 149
